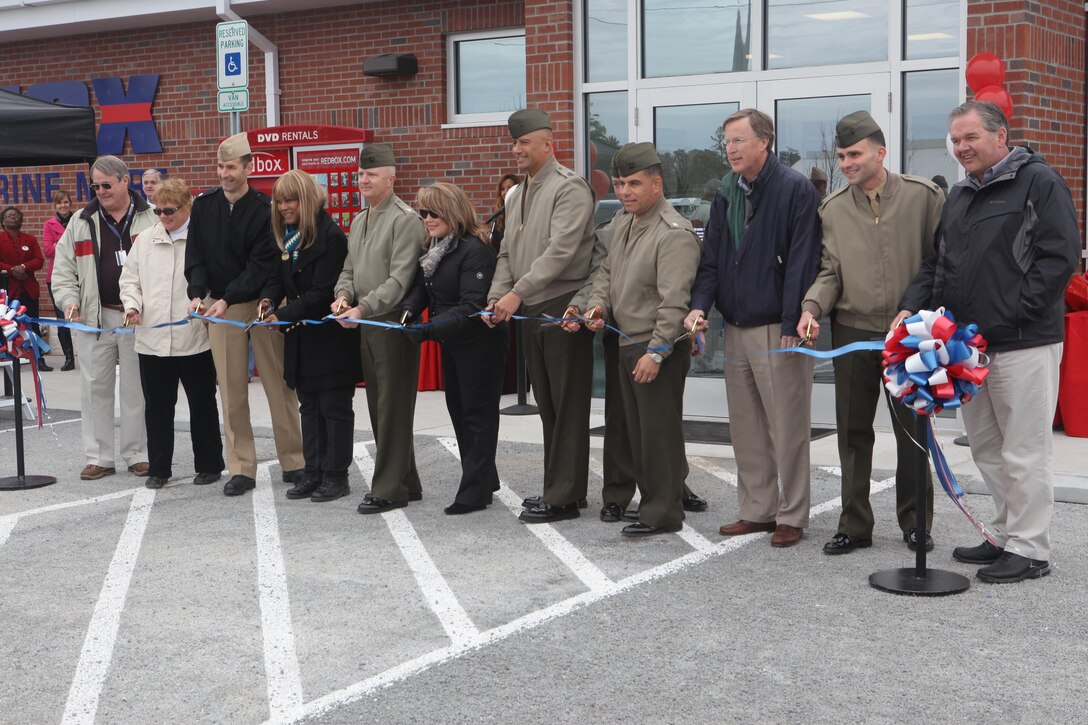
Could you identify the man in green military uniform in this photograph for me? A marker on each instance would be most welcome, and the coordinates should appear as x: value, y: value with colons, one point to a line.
x: 644, y: 286
x: 543, y: 261
x: 384, y: 245
x: 877, y: 230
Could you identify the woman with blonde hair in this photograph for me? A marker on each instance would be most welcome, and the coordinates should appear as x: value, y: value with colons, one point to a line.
x: 320, y: 362
x: 453, y: 279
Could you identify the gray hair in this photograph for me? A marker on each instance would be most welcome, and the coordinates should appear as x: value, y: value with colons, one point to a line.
x: 161, y: 176
x: 993, y: 118
x: 111, y: 166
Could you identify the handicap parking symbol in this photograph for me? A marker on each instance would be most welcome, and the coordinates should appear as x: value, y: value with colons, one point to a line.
x: 232, y: 62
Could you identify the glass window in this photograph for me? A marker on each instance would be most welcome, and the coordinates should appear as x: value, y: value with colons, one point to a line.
x: 928, y: 96
x: 486, y: 75
x: 606, y: 124
x: 805, y: 133
x: 606, y: 40
x: 826, y: 32
x: 932, y: 29
x: 684, y: 38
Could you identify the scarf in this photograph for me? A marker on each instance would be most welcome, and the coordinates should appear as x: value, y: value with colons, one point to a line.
x: 734, y: 197
x: 434, y: 254
x: 64, y: 219
x: 291, y: 242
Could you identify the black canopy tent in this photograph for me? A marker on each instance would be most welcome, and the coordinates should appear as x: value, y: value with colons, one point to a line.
x: 39, y: 133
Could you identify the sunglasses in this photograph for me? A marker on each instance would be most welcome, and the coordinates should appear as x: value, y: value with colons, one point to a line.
x: 424, y: 213
x: 104, y: 185
x: 159, y: 211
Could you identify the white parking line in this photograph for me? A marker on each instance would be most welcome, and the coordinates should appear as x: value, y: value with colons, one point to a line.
x: 875, y: 487
x: 6, y: 525
x: 708, y: 465
x: 72, y: 504
x: 556, y: 543
x: 94, y: 659
x: 436, y: 591
x: 282, y: 676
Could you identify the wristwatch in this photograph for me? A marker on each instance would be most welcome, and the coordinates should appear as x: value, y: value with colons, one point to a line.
x: 656, y: 357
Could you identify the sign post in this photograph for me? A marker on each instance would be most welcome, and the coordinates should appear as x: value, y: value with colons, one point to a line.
x: 232, y: 69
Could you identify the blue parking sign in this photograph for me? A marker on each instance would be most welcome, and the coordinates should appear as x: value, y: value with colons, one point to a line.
x: 232, y: 64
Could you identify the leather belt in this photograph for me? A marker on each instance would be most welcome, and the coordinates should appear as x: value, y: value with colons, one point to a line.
x: 115, y: 308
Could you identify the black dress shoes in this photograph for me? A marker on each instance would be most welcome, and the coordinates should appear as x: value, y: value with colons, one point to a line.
x: 69, y: 364
x: 417, y: 496
x: 303, y: 488
x: 155, y: 482
x: 611, y: 512
x: 533, y: 502
x: 844, y: 544
x: 374, y: 505
x: 984, y: 553
x: 293, y: 476
x: 1011, y: 568
x: 640, y: 529
x: 43, y: 366
x: 546, y: 513
x: 630, y: 514
x: 237, y: 485
x: 695, y: 503
x: 456, y: 509
x: 911, y: 538
x: 330, y: 490
x: 203, y: 479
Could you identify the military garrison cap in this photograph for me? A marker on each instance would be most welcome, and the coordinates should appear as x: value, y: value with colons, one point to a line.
x: 376, y: 154
x: 817, y: 174
x: 853, y: 128
x: 526, y: 121
x: 234, y: 147
x: 635, y: 157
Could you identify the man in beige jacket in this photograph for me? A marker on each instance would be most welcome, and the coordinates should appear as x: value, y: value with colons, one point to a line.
x: 384, y: 245
x: 543, y: 261
x: 876, y: 232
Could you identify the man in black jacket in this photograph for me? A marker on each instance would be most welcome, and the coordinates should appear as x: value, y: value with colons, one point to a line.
x: 227, y: 259
x: 1009, y: 242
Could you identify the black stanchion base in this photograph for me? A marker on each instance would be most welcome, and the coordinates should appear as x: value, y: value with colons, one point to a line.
x: 19, y: 483
x: 519, y: 409
x: 936, y: 582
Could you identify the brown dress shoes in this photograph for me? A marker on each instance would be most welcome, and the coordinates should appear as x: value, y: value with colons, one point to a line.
x: 741, y: 527
x: 91, y: 472
x: 785, y: 535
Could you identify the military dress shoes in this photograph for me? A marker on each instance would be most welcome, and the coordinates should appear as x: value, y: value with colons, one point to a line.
x: 203, y: 479
x: 640, y: 530
x: 545, y: 513
x: 139, y: 469
x: 845, y: 543
x: 741, y: 527
x: 611, y: 512
x: 984, y: 553
x: 43, y: 366
x: 630, y: 514
x: 375, y: 505
x: 237, y: 485
x: 303, y: 488
x: 91, y: 472
x: 293, y: 476
x: 417, y: 496
x: 695, y: 503
x: 1011, y: 568
x: 534, y: 501
x: 785, y: 536
x: 456, y: 509
x: 155, y: 482
x: 911, y: 538
x: 330, y: 490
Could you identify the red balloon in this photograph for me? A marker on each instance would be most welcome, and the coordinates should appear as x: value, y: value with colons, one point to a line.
x: 592, y: 154
x: 985, y: 69
x: 998, y: 96
x: 600, y: 182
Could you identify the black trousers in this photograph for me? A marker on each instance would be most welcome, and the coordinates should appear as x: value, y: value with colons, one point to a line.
x: 472, y: 376
x: 560, y: 367
x: 328, y: 430
x: 63, y: 333
x: 159, y: 377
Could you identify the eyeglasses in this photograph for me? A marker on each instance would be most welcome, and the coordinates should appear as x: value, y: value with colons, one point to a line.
x: 424, y: 213
x: 104, y: 185
x: 734, y: 142
x: 168, y: 210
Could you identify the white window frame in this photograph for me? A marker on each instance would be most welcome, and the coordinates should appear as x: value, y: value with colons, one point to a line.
x: 472, y: 119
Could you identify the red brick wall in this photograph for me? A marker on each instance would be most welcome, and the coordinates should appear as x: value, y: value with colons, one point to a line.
x: 1043, y: 45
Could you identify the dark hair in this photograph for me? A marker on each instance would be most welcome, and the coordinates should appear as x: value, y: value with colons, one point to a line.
x: 877, y: 137
x: 11, y: 208
x: 993, y: 118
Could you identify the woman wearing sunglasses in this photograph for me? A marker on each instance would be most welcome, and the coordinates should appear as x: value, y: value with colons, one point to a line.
x: 453, y: 279
x: 320, y: 362
x: 153, y: 292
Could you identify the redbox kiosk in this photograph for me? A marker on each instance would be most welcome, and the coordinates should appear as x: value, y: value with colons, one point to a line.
x: 329, y: 153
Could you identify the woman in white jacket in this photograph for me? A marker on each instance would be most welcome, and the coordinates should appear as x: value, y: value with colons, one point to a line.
x: 153, y: 292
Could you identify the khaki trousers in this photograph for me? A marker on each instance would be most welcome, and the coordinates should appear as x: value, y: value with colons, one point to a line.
x: 230, y: 352
x: 1009, y: 426
x: 770, y: 410
x: 99, y: 358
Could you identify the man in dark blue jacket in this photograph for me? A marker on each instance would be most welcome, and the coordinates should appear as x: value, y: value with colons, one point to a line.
x: 1009, y: 242
x: 761, y: 252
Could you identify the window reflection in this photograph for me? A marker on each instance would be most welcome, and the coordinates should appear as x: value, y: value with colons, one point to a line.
x: 932, y: 29
x: 805, y: 133
x: 826, y: 32
x: 606, y: 40
x: 606, y: 123
x: 672, y: 29
x: 928, y: 96
x: 490, y: 75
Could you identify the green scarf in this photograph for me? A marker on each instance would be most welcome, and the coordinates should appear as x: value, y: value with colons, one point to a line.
x: 734, y: 196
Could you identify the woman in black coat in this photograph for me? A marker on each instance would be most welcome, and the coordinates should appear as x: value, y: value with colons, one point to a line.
x: 453, y: 279
x: 320, y: 362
